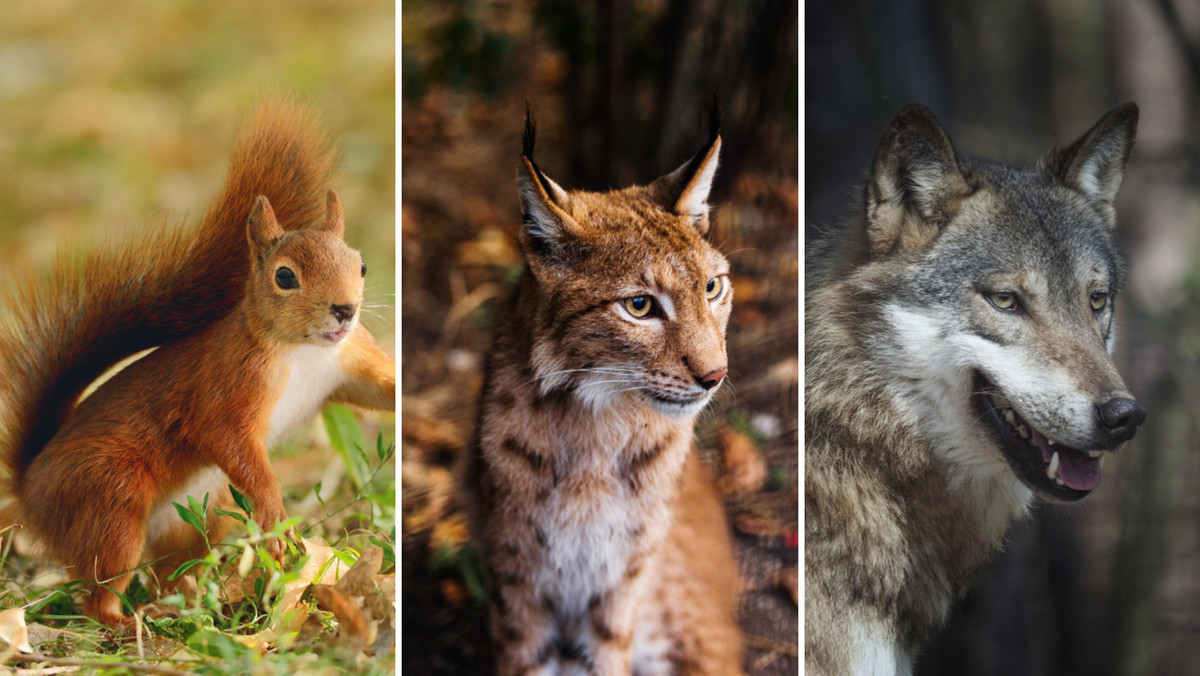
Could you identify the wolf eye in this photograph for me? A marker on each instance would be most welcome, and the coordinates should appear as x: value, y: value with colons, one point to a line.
x: 1003, y: 300
x: 714, y: 288
x: 639, y: 306
x: 286, y: 279
x: 1099, y: 300
x: 364, y: 269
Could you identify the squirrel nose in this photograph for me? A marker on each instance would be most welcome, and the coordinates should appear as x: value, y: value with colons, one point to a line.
x: 342, y: 312
x: 713, y: 379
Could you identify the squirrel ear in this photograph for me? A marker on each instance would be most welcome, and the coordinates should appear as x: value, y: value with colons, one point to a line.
x: 261, y: 227
x: 335, y: 221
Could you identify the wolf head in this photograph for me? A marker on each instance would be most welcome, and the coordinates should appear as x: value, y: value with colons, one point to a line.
x: 996, y: 287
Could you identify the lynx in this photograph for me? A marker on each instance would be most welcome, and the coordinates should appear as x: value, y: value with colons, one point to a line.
x: 607, y: 548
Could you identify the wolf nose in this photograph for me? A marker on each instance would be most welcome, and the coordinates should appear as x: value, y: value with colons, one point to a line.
x: 342, y: 312
x: 713, y: 379
x: 1121, y: 417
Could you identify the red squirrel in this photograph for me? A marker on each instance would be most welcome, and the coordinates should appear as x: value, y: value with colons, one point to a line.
x: 255, y: 316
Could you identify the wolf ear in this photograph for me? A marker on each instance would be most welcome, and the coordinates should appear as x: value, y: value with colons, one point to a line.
x: 915, y: 172
x: 548, y: 231
x: 1095, y: 164
x: 685, y: 190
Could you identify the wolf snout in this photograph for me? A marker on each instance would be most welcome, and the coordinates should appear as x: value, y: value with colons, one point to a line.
x: 1120, y: 417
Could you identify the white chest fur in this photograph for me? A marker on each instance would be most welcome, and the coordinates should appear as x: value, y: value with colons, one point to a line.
x: 310, y: 373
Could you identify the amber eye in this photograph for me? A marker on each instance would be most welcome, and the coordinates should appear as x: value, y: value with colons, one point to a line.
x: 286, y: 279
x: 1003, y: 300
x: 639, y: 306
x: 364, y: 269
x: 714, y: 288
x: 1099, y: 300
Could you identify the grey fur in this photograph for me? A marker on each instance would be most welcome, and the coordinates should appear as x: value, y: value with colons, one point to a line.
x: 964, y: 291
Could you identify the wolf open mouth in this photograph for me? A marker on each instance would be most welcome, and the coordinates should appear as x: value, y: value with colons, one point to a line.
x: 1044, y: 465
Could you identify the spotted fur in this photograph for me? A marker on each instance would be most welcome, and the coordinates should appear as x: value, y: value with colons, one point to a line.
x: 607, y: 549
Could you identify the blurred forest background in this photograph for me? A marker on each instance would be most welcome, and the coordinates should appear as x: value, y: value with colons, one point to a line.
x: 620, y: 89
x: 117, y: 115
x: 1111, y: 586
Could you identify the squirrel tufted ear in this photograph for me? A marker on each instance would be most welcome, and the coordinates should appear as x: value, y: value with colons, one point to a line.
x: 261, y: 226
x: 335, y: 220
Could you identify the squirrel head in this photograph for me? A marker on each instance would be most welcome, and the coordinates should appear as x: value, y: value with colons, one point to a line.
x: 305, y: 286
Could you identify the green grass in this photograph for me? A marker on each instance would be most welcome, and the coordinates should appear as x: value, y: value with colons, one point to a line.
x: 267, y: 624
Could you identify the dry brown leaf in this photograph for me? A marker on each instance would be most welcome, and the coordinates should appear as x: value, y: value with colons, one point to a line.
x: 14, y: 632
x: 454, y: 593
x: 353, y: 625
x: 744, y: 465
x: 753, y: 524
x: 362, y: 601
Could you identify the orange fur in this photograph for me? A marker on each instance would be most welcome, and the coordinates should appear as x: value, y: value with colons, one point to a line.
x: 238, y: 348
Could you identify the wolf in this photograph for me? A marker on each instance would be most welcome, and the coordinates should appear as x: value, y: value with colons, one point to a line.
x: 958, y: 340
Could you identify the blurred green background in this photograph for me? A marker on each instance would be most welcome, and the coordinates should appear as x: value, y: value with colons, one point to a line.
x: 114, y: 114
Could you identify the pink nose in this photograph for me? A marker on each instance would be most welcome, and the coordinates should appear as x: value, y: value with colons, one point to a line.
x: 713, y: 379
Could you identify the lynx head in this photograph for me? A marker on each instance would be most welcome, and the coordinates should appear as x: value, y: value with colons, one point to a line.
x: 631, y: 299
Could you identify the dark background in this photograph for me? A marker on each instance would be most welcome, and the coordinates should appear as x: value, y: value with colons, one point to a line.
x: 1110, y: 586
x: 621, y: 91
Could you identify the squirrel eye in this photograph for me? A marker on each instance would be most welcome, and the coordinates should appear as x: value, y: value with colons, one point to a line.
x: 639, y: 306
x: 286, y: 279
x: 364, y: 269
x: 714, y: 288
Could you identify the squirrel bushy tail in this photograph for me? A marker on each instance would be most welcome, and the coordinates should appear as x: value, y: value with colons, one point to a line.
x: 59, y: 333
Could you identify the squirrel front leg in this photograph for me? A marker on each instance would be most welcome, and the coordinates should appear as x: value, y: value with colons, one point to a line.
x: 370, y: 373
x: 249, y: 470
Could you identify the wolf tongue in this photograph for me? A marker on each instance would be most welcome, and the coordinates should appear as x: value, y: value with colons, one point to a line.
x: 1076, y: 469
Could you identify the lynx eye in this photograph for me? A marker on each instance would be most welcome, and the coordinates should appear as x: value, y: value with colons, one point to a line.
x: 713, y: 289
x: 286, y: 279
x: 1099, y: 300
x: 639, y: 306
x: 1003, y: 300
x: 364, y: 269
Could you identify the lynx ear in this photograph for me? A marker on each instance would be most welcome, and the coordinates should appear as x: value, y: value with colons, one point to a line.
x: 685, y: 190
x: 915, y: 173
x: 548, y: 231
x: 335, y: 220
x: 1095, y: 164
x: 261, y: 226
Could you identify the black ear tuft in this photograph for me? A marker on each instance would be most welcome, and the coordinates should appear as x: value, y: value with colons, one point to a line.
x: 530, y: 135
x: 714, y: 118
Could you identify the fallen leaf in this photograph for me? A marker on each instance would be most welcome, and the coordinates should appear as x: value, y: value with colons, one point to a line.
x: 354, y: 627
x: 455, y: 593
x: 744, y: 465
x: 14, y: 632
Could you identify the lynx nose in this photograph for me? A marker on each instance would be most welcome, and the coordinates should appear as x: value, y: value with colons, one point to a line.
x: 713, y: 379
x: 1120, y: 418
x: 342, y: 312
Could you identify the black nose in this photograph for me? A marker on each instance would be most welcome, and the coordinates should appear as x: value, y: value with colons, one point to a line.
x: 342, y: 312
x: 1120, y: 418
